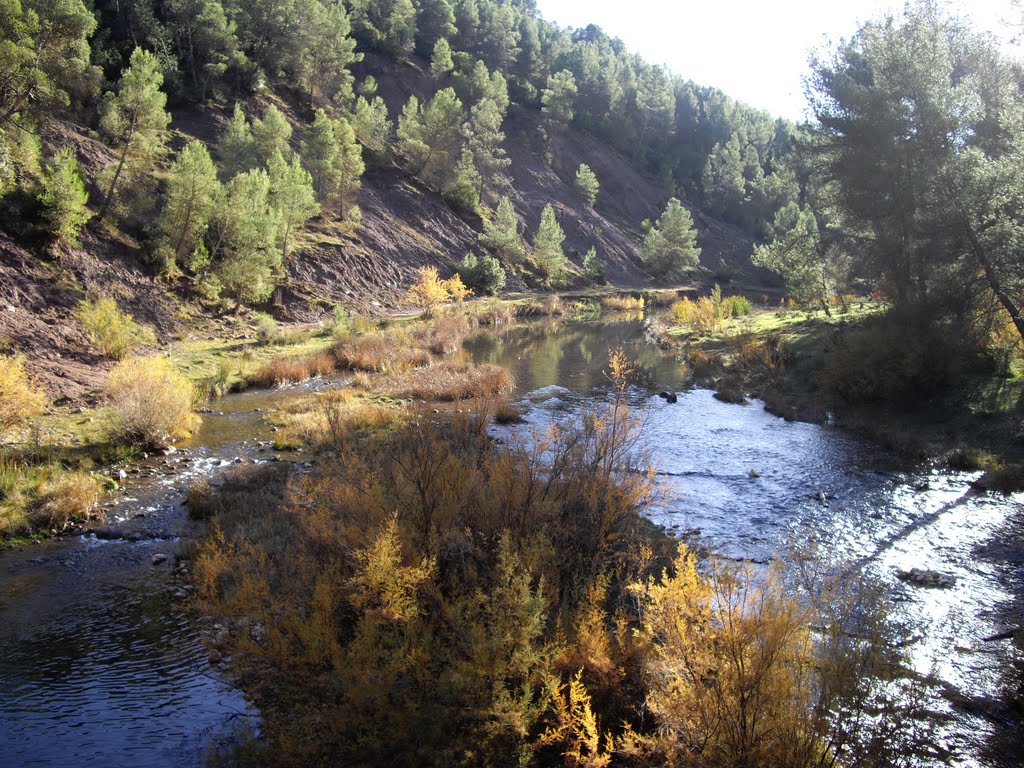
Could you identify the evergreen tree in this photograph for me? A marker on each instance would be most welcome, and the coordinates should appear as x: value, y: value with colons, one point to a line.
x: 436, y: 22
x: 484, y: 137
x: 371, y: 124
x: 192, y: 196
x: 498, y: 35
x: 237, y: 147
x: 796, y: 255
x: 441, y: 60
x: 587, y: 184
x: 64, y: 196
x: 502, y: 234
x: 327, y: 53
x: 334, y: 160
x: 389, y: 25
x: 431, y: 137
x: 593, y: 269
x: 464, y: 191
x: 724, y: 184
x: 271, y: 134
x: 44, y: 55
x: 207, y: 43
x: 484, y: 274
x: 558, y: 99
x: 547, y: 246
x: 245, y: 247
x: 136, y: 121
x: 671, y: 244
x: 292, y: 197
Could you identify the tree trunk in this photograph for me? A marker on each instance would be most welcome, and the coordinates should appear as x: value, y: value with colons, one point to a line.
x: 994, y: 283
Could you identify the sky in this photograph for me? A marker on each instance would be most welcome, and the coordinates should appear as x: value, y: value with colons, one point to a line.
x: 754, y: 50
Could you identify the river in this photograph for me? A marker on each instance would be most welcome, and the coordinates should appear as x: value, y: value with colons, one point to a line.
x: 101, y: 664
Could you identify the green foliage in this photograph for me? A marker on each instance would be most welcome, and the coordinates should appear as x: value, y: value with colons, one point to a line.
x: 44, y: 57
x: 271, y: 134
x: 371, y: 124
x: 192, y: 196
x: 326, y: 55
x: 135, y: 120
x: 558, y: 98
x: 237, y: 147
x: 587, y: 184
x: 246, y: 233
x: 502, y: 233
x: 483, y: 274
x: 389, y: 25
x: 483, y: 138
x: 800, y: 257
x: 431, y: 137
x: 292, y: 198
x: 114, y: 333
x: 441, y: 60
x: 671, y: 244
x: 335, y: 161
x: 593, y: 269
x: 547, y: 247
x: 64, y: 197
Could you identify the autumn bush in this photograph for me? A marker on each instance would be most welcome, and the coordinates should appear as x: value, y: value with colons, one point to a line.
x: 151, y: 403
x: 448, y: 381
x: 429, y: 596
x: 113, y: 332
x: 20, y: 399
x: 444, y: 336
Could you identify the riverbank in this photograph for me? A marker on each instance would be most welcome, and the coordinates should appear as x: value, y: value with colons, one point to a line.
x: 792, y: 360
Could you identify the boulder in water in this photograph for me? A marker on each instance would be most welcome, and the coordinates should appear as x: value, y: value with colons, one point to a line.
x: 922, y: 577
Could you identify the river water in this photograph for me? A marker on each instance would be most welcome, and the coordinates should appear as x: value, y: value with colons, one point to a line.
x: 101, y: 665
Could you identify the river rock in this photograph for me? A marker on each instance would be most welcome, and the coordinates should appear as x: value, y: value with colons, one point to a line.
x: 925, y: 578
x: 158, y: 558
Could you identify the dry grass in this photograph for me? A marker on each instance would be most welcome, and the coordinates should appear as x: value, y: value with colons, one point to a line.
x: 380, y: 353
x: 445, y: 335
x: 292, y: 370
x: 20, y: 400
x: 550, y: 306
x: 623, y: 303
x: 46, y: 497
x: 447, y: 382
x: 152, y: 404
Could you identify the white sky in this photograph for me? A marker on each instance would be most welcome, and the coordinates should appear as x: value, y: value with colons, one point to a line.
x: 754, y: 50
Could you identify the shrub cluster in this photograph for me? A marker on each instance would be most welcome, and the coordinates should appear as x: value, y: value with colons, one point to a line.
x: 151, y: 403
x: 707, y: 313
x: 114, y: 333
x: 20, y: 400
x: 483, y: 274
x: 431, y: 597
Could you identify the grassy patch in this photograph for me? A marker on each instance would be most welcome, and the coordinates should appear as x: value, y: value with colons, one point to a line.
x: 43, y: 498
x: 447, y: 382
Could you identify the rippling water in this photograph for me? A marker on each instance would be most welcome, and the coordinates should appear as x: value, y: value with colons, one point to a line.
x: 813, y: 489
x: 99, y: 666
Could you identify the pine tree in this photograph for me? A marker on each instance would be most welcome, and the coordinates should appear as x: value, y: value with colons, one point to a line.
x: 371, y: 124
x: 483, y: 274
x: 237, y: 147
x: 484, y: 138
x: 441, y: 60
x: 136, y: 120
x: 558, y: 99
x: 593, y: 269
x: 502, y: 234
x: 271, y: 134
x: 245, y: 244
x: 671, y: 244
x: 436, y: 22
x: 587, y: 184
x: 192, y: 196
x: 328, y: 53
x: 292, y: 197
x: 547, y: 246
x: 64, y: 196
x: 431, y: 137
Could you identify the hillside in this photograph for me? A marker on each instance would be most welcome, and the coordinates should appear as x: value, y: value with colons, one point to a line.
x: 405, y: 226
